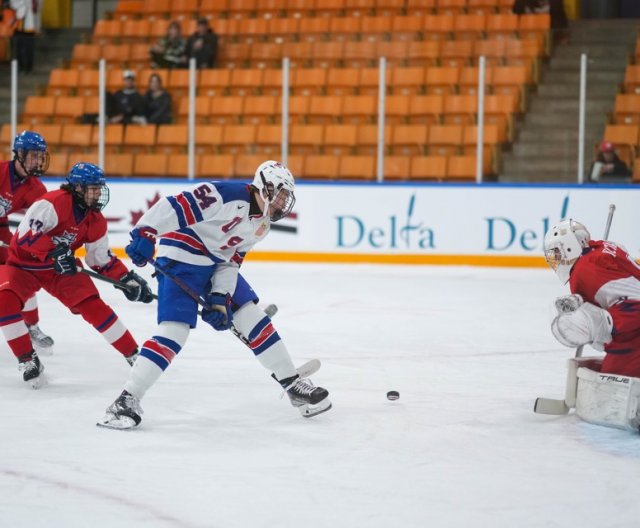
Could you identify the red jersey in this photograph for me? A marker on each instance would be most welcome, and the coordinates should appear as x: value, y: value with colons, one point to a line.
x: 16, y: 193
x: 605, y: 275
x: 55, y: 219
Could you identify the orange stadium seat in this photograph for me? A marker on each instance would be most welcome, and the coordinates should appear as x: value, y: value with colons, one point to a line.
x: 428, y: 168
x: 325, y: 108
x: 178, y: 83
x: 62, y: 82
x: 321, y: 167
x: 367, y: 138
x: 266, y: 55
x: 357, y: 167
x: 158, y: 29
x: 421, y: 7
x: 208, y: 138
x: 283, y: 29
x: 226, y: 110
x: 460, y: 109
x: 76, y: 137
x: 178, y: 166
x: 409, y: 140
x: 456, y: 52
x: 624, y: 137
x: 627, y: 109
x: 376, y: 28
x: 469, y: 27
x: 210, y: 8
x: 152, y: 165
x: 330, y: 8
x: 58, y: 164
x: 340, y: 139
x: 469, y: 79
x: 636, y: 171
x: 260, y: 109
x: 269, y: 140
x: 328, y: 54
x: 234, y: 55
x: 216, y: 166
x: 426, y: 109
x: 308, y: 81
x: 397, y: 167
x: 313, y: 29
x: 246, y: 164
x: 272, y: 82
x: 52, y: 133
x: 395, y: 52
x: 369, y: 79
x: 461, y: 168
x: 136, y: 30
x: 116, y: 53
x: 482, y: 6
x: 38, y: 109
x: 361, y: 54
x: 438, y: 27
x: 451, y: 7
x: 214, y: 82
x: 306, y: 139
x: 298, y: 107
x: 505, y: 6
x: 390, y: 7
x: 246, y: 81
x: 632, y: 79
x: 445, y: 140
x: 345, y: 28
x: 424, y: 53
x: 299, y: 53
x: 85, y: 55
x: 252, y: 30
x: 406, y: 27
x: 360, y: 8
x: 237, y: 139
x: 156, y: 8
x: 242, y: 8
x: 442, y: 80
x: 139, y: 138
x: 535, y: 25
x: 203, y: 108
x: 113, y: 137
x: 396, y: 109
x: 88, y: 82
x: 172, y: 139
x: 342, y: 81
x: 300, y: 8
x: 359, y: 109
x: 407, y: 81
x: 501, y: 24
x: 184, y: 8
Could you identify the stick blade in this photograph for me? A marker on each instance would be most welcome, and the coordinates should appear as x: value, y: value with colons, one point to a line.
x: 550, y: 406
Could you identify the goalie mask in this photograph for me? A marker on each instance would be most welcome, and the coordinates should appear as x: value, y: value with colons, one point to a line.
x: 276, y: 186
x: 563, y: 245
x: 30, y: 151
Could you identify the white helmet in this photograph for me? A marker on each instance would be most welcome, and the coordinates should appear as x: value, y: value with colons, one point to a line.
x: 276, y: 186
x: 563, y: 245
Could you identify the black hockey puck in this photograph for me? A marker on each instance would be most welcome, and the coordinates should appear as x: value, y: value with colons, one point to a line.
x: 393, y: 395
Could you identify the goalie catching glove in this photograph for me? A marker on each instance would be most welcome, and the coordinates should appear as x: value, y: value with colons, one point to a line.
x: 587, y: 324
x: 137, y: 288
x: 219, y: 315
x: 569, y: 303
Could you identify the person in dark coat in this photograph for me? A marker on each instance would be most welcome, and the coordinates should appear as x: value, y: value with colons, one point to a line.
x: 157, y: 102
x: 203, y: 45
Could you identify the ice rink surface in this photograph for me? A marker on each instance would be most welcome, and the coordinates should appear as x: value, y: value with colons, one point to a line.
x: 469, y: 350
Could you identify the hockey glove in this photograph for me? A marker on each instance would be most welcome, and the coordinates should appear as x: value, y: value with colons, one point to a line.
x: 64, y: 263
x: 142, y: 245
x: 220, y: 315
x: 138, y: 289
x: 569, y: 303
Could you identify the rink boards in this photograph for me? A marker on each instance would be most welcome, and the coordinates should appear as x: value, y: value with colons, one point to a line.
x: 492, y: 225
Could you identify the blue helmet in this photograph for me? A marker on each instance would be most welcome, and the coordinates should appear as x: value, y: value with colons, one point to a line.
x: 36, y: 163
x: 27, y: 140
x: 88, y: 175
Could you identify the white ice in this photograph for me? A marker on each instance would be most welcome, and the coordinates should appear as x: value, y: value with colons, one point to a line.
x: 469, y: 350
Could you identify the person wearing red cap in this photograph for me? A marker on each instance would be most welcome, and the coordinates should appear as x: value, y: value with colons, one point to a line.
x: 608, y: 164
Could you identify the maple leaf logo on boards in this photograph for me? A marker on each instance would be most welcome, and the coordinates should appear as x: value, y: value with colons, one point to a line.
x: 136, y: 215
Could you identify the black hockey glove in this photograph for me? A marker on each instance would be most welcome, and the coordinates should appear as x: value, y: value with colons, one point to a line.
x: 64, y: 262
x: 138, y: 289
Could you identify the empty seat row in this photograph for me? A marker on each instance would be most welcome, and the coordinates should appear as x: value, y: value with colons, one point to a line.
x: 314, y: 166
x: 130, y: 9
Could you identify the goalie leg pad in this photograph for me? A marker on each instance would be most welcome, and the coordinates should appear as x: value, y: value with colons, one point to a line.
x: 608, y: 399
x: 586, y: 325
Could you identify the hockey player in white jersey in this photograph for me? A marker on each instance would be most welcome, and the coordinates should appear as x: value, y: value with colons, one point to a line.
x: 204, y: 235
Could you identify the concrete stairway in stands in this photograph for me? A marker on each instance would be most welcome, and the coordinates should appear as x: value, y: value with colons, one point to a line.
x: 52, y: 48
x: 546, y: 145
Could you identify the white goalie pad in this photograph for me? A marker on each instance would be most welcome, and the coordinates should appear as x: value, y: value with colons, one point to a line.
x: 608, y: 399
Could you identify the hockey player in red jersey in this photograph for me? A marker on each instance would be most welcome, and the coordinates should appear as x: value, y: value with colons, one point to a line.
x: 20, y: 186
x: 603, y: 309
x: 41, y: 255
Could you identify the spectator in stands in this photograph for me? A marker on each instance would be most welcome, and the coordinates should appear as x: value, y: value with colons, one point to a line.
x: 157, y: 102
x: 608, y: 164
x: 555, y: 8
x: 127, y: 103
x: 171, y: 50
x: 27, y: 24
x: 203, y: 45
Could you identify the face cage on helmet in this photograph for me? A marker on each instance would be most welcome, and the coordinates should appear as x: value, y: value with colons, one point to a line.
x: 282, y: 204
x: 42, y: 157
x: 100, y: 203
x: 553, y: 258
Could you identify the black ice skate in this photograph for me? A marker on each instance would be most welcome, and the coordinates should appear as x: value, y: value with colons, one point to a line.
x: 31, y: 369
x: 309, y: 399
x: 132, y: 358
x: 124, y: 413
x: 41, y: 341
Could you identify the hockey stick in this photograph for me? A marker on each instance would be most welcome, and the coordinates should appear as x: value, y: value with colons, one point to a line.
x: 550, y: 405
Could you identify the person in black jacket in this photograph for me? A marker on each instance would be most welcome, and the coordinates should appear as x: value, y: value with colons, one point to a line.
x: 127, y: 104
x: 203, y: 45
x: 157, y: 102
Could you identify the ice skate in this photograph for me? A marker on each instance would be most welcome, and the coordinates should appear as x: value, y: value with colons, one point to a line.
x: 305, y: 396
x: 40, y: 341
x: 32, y: 370
x: 124, y: 413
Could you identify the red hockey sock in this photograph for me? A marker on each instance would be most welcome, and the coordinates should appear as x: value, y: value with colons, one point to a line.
x: 30, y: 311
x: 12, y: 324
x: 104, y: 320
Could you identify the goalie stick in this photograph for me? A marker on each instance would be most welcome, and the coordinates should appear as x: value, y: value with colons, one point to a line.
x: 557, y: 407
